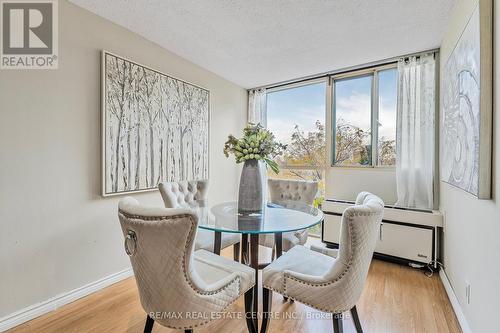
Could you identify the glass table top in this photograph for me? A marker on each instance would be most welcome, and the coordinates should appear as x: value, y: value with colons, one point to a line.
x: 285, y: 217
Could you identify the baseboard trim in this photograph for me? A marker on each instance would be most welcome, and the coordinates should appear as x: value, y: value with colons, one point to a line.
x: 454, y: 302
x: 39, y: 309
x: 36, y: 310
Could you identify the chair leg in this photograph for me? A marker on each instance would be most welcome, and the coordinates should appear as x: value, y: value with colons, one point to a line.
x: 337, y: 323
x: 236, y: 252
x: 248, y: 310
x: 267, y: 299
x: 355, y: 319
x: 149, y: 324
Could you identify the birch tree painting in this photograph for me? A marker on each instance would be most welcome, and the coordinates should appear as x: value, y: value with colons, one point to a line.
x: 155, y: 127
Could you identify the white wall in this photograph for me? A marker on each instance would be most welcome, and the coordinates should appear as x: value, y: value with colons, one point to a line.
x: 472, y: 227
x: 346, y: 183
x: 57, y: 233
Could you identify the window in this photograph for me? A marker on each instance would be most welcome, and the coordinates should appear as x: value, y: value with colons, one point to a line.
x: 364, y: 117
x: 387, y: 101
x: 296, y: 116
x: 353, y: 140
x: 363, y: 123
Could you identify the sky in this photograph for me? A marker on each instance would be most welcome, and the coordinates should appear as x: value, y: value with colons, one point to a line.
x: 302, y: 106
x: 306, y: 104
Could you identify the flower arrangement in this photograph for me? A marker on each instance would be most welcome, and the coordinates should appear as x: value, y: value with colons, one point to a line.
x: 257, y: 143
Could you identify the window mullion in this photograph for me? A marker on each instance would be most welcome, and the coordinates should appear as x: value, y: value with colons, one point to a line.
x: 331, y: 120
x: 375, y: 118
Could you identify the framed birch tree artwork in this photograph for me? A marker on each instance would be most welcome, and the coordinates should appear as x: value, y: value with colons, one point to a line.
x: 155, y: 127
x: 466, y: 120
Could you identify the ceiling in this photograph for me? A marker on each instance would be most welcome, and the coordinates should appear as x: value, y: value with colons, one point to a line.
x: 254, y: 42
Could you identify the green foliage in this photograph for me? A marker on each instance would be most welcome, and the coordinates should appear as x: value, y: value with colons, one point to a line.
x: 306, y: 149
x: 318, y: 202
x: 387, y: 151
x: 350, y: 144
x: 257, y: 143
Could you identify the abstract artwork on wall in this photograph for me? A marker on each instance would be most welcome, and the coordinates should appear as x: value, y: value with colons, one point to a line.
x: 466, y: 121
x: 154, y: 127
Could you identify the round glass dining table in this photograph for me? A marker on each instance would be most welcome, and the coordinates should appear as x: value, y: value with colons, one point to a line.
x: 287, y: 216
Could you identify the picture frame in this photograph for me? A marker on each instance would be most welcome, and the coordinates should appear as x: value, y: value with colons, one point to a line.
x: 467, y: 106
x: 154, y: 127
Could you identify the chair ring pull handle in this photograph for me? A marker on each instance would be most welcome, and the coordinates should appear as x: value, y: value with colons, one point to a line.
x: 130, y: 238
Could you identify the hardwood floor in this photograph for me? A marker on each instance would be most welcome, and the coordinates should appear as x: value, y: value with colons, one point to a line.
x: 395, y: 299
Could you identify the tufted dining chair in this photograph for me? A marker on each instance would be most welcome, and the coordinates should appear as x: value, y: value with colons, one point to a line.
x: 329, y: 284
x: 193, y: 194
x: 286, y: 193
x: 171, y: 277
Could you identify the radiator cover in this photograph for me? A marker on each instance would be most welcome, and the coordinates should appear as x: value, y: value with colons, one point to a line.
x: 406, y: 235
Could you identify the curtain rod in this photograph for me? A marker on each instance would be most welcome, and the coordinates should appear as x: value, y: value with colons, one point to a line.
x: 343, y: 70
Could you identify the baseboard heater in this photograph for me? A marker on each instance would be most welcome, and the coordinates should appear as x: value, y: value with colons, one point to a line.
x: 407, y: 236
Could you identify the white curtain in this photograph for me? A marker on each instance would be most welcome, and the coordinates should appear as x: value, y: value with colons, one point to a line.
x: 415, y: 138
x: 257, y: 104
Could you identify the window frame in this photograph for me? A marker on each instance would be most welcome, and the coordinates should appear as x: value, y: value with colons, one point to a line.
x: 299, y: 85
x: 373, y: 72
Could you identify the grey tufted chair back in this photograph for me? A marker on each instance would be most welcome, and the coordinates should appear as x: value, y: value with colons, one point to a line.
x: 358, y: 237
x: 340, y: 288
x: 184, y: 194
x: 160, y: 244
x: 294, y: 190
